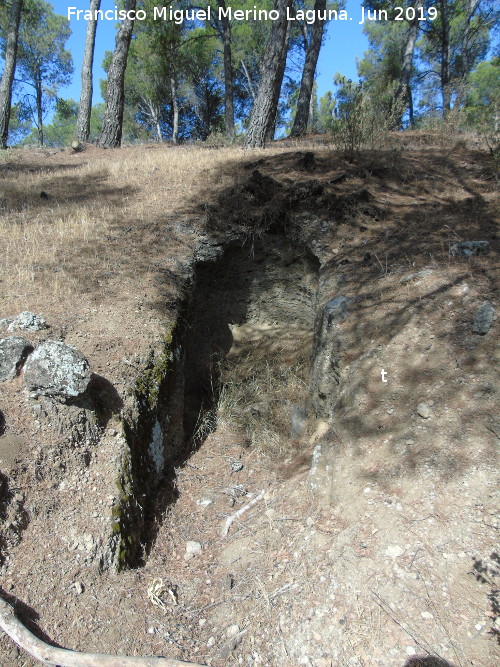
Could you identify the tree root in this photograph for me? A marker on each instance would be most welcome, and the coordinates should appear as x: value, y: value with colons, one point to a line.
x: 50, y: 655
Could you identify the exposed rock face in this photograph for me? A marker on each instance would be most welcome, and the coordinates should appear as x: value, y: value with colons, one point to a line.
x: 13, y: 353
x: 469, y: 248
x: 67, y: 425
x: 327, y: 348
x: 25, y: 321
x: 57, y: 370
x: 483, y: 318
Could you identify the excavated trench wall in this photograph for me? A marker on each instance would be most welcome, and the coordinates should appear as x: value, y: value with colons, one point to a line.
x: 256, y: 298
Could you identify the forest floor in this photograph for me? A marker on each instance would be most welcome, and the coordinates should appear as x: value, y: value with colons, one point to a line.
x: 384, y: 549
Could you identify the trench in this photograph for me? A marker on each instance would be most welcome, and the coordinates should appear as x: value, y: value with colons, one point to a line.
x: 251, y: 317
x: 242, y: 352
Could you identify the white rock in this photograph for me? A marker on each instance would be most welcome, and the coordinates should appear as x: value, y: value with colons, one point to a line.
x: 423, y: 410
x: 211, y: 641
x: 192, y: 548
x: 394, y: 551
x: 427, y: 615
x: 232, y: 631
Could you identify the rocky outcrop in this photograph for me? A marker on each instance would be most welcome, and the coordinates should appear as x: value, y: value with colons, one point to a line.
x: 25, y: 321
x: 56, y: 370
x: 326, y: 355
x: 14, y: 351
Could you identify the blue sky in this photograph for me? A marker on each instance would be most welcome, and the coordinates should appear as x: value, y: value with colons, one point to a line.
x: 345, y: 42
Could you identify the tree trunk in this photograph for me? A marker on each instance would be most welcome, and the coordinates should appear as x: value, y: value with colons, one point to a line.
x: 158, y: 129
x: 445, y: 57
x: 39, y: 110
x: 271, y: 130
x: 228, y: 73
x: 403, y: 92
x: 465, y: 50
x: 111, y: 133
x: 83, y: 121
x: 9, y: 69
x: 175, y: 109
x: 153, y: 111
x: 249, y: 80
x: 265, y: 108
x: 410, y: 107
x: 306, y: 85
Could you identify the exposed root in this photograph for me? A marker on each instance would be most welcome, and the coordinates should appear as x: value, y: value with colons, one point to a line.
x: 50, y: 655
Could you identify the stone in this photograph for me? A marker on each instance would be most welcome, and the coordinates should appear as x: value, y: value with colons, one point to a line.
x: 232, y: 631
x: 423, y: 410
x: 236, y: 466
x: 192, y: 548
x: 483, y: 318
x: 57, y: 370
x: 469, y: 248
x: 25, y: 321
x: 13, y: 353
x: 336, y: 308
x: 78, y: 586
x: 394, y: 551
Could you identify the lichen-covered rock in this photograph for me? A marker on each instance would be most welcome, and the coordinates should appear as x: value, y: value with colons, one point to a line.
x: 57, y: 370
x: 25, y: 321
x: 469, y: 248
x: 13, y: 353
x: 483, y: 318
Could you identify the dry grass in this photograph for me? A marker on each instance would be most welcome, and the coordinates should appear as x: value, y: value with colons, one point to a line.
x: 262, y: 396
x: 51, y: 242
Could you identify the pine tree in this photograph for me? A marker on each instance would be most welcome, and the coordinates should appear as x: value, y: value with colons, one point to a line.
x: 84, y: 110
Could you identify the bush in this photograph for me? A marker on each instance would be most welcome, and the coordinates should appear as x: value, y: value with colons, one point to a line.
x: 360, y: 122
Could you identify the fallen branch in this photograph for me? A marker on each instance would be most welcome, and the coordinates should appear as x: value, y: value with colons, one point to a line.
x: 231, y: 519
x: 50, y: 655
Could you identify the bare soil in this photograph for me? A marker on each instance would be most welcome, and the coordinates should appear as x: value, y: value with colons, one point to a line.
x: 375, y: 536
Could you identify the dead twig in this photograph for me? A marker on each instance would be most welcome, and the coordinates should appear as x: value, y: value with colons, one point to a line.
x: 231, y: 519
x: 51, y: 655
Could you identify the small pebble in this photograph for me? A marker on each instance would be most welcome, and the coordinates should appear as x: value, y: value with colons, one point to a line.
x: 211, y: 641
x: 232, y: 631
x: 394, y: 551
x: 192, y: 548
x: 423, y: 410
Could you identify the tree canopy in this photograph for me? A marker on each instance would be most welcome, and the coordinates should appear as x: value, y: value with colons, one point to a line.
x: 213, y: 77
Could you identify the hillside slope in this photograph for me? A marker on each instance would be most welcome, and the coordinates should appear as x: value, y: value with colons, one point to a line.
x: 292, y: 431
